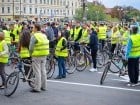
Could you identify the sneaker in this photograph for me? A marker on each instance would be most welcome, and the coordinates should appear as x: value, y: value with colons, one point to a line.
x: 132, y: 84
x: 2, y: 87
x: 93, y: 70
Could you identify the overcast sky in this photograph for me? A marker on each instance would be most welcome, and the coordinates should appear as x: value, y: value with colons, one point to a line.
x: 112, y: 3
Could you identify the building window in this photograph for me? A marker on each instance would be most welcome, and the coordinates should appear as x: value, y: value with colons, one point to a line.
x: 48, y: 11
x: 40, y: 1
x: 44, y: 1
x: 57, y: 2
x: 68, y: 12
x: 72, y: 12
x: 24, y: 1
x: 24, y: 9
x: 47, y: 1
x: 8, y: 9
x: 2, y: 0
x: 30, y: 1
x: 51, y: 2
x: 30, y: 10
x: 61, y: 2
x: 2, y: 9
x: 8, y: 0
x: 64, y: 3
x: 36, y: 1
x: 72, y: 4
x: 44, y: 11
x: 35, y: 10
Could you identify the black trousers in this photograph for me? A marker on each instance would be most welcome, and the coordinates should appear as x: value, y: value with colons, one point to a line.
x: 94, y: 57
x: 113, y: 46
x: 2, y: 73
x: 102, y: 41
x: 133, y: 70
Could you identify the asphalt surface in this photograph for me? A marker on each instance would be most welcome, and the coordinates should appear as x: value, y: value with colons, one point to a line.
x: 80, y: 88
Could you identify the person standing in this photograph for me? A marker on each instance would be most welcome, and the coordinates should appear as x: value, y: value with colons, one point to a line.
x: 24, y: 48
x: 133, y: 54
x: 61, y: 53
x: 39, y: 49
x: 3, y: 58
x: 93, y: 43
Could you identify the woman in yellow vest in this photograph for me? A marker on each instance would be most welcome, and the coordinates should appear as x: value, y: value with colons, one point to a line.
x: 61, y: 53
x: 3, y: 58
x: 24, y: 47
x: 133, y: 54
x: 114, y: 39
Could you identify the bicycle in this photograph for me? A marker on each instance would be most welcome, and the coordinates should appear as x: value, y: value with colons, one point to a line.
x: 12, y: 81
x: 118, y: 62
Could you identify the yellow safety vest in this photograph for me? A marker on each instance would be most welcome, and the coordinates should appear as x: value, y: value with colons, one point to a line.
x: 24, y: 52
x: 114, y: 37
x: 58, y: 52
x: 3, y: 58
x: 16, y: 34
x: 102, y: 33
x: 135, y: 51
x: 76, y: 32
x: 41, y: 48
x: 125, y: 37
x: 7, y: 36
x: 84, y: 37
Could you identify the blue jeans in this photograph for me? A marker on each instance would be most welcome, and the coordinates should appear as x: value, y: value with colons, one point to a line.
x: 61, y: 66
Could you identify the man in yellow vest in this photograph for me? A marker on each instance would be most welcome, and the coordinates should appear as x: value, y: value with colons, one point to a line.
x: 3, y: 58
x: 61, y: 53
x: 39, y: 49
x: 133, y: 54
x: 6, y: 35
x: 102, y: 34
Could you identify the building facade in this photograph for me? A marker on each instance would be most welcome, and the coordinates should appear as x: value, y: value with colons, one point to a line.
x: 38, y: 9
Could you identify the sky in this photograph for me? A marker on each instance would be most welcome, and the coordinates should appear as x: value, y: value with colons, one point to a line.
x: 112, y: 3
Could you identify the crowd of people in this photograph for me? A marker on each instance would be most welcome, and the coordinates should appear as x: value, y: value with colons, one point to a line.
x: 35, y: 41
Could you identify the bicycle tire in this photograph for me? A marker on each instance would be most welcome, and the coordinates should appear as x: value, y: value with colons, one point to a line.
x: 31, y: 81
x: 107, y: 67
x: 100, y: 60
x: 81, y: 66
x: 70, y: 65
x: 115, y: 70
x: 50, y: 68
x: 12, y: 80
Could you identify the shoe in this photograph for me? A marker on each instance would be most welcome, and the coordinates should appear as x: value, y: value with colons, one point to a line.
x: 2, y: 87
x: 43, y: 89
x: 58, y: 77
x: 132, y: 84
x: 63, y: 76
x: 93, y: 70
x: 34, y: 91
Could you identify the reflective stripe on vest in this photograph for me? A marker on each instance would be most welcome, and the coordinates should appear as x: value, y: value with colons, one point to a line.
x: 135, y: 51
x: 7, y: 36
x: 24, y: 52
x: 125, y: 37
x: 3, y: 58
x: 102, y: 33
x: 41, y: 48
x: 76, y: 32
x: 58, y: 52
x: 84, y: 37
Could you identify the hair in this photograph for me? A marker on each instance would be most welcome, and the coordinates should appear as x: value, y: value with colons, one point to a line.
x: 38, y: 27
x: 25, y: 38
x: 134, y: 30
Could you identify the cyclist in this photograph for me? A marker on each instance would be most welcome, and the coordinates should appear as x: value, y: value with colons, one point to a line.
x: 133, y: 54
x: 3, y: 58
x: 39, y: 49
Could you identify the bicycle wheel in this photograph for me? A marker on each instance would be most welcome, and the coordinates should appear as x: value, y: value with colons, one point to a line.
x: 81, y: 62
x: 116, y: 65
x: 107, y: 67
x: 70, y: 65
x: 100, y: 60
x: 50, y: 68
x: 12, y: 84
x: 31, y: 79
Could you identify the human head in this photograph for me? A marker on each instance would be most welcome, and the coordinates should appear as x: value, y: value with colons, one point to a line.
x: 36, y: 27
x: 134, y: 30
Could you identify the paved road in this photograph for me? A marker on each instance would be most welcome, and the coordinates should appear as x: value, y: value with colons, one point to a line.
x: 80, y: 88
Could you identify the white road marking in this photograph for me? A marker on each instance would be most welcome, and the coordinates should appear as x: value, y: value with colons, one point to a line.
x: 120, y: 80
x: 92, y: 85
